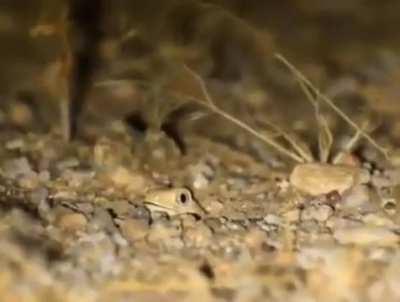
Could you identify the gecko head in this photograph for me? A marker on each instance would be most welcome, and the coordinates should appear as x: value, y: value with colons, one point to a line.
x: 175, y: 201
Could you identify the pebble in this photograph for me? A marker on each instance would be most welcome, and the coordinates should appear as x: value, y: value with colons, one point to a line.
x: 64, y: 194
x: 68, y: 163
x: 133, y: 229
x: 357, y: 198
x: 238, y: 183
x: 39, y: 195
x: 103, y: 153
x: 311, y: 257
x: 77, y: 178
x: 272, y: 219
x: 141, y: 212
x: 44, y: 210
x: 102, y: 220
x: 165, y: 234
x: 21, y: 114
x: 188, y: 221
x: 29, y: 181
x: 388, y: 178
x: 21, y: 170
x: 292, y: 215
x: 310, y: 227
x: 217, y: 225
x: 320, y: 213
x: 366, y: 235
x: 44, y: 176
x: 72, y: 222
x: 124, y: 178
x: 15, y: 144
x: 198, y: 236
x: 317, y: 178
x: 214, y: 207
x: 16, y: 167
x: 201, y: 175
x: 255, y: 238
x: 200, y: 181
x: 96, y: 253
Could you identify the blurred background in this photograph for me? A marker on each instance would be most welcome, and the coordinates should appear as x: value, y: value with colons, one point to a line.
x: 350, y: 49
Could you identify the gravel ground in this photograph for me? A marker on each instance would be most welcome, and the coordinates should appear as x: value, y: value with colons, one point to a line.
x: 96, y: 222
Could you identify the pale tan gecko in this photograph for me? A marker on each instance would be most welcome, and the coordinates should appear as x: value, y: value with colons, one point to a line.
x: 175, y: 201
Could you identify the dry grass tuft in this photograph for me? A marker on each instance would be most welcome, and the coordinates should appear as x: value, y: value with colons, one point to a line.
x: 300, y: 152
x: 307, y: 85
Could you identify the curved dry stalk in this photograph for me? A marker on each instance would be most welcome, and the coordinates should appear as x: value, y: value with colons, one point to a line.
x: 350, y: 144
x: 325, y: 137
x: 300, y: 77
x: 209, y: 103
x: 298, y: 146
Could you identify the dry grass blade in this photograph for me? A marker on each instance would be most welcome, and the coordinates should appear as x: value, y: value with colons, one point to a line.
x: 65, y: 120
x: 350, y: 145
x: 209, y: 103
x: 325, y: 137
x: 301, y: 78
x: 296, y: 143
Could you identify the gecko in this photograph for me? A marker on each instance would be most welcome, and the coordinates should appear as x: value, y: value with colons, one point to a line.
x: 175, y: 201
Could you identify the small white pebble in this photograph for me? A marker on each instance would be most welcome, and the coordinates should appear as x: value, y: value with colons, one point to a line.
x: 68, y: 163
x: 200, y: 182
x: 15, y: 144
x: 272, y: 219
x: 201, y: 174
x: 17, y: 167
x: 358, y: 197
x: 292, y: 215
x: 319, y: 213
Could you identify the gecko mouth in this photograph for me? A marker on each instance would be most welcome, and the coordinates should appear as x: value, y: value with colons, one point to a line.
x: 170, y: 210
x: 154, y: 205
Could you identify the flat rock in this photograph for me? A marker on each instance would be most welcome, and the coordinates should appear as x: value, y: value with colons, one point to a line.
x: 317, y: 178
x: 366, y: 235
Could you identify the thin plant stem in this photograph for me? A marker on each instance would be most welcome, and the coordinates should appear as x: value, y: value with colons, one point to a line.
x: 209, y: 103
x: 330, y: 103
x: 349, y: 145
x: 297, y: 147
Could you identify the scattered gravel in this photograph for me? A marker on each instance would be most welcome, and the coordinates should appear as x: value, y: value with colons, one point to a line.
x: 232, y: 238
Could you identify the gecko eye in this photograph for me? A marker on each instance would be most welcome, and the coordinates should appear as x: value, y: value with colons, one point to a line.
x: 183, y: 198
